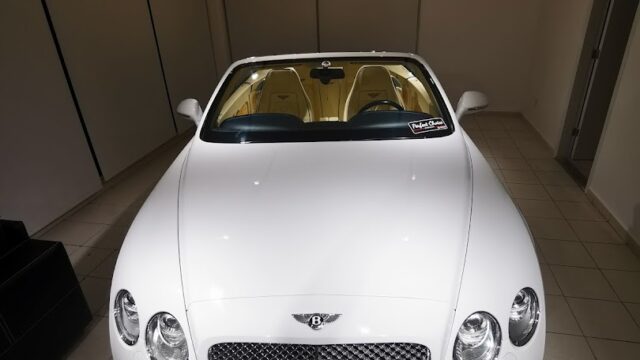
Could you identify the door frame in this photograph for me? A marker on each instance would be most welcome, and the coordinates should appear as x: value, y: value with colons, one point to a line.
x: 606, y: 40
x: 582, y: 81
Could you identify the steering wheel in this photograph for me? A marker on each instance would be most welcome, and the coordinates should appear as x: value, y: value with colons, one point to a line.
x: 381, y: 102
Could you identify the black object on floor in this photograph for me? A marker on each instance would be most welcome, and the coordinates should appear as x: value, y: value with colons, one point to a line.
x: 42, y: 308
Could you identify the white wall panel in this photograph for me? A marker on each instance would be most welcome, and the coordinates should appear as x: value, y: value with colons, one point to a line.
x: 364, y: 25
x: 615, y: 175
x: 182, y: 29
x: 483, y: 45
x: 219, y: 35
x: 559, y: 38
x: 261, y: 27
x: 110, y: 51
x: 45, y: 162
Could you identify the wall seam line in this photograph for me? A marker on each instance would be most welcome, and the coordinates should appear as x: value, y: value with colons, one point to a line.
x: 164, y: 76
x: 72, y: 92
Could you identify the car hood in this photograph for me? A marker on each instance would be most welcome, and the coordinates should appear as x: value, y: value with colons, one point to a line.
x: 364, y: 218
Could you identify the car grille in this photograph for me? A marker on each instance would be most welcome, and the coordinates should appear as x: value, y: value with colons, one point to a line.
x: 268, y: 351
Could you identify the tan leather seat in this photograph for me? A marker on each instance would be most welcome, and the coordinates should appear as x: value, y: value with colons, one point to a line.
x: 372, y: 82
x: 283, y: 93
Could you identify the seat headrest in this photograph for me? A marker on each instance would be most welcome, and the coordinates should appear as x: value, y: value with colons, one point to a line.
x: 371, y: 83
x: 283, y: 93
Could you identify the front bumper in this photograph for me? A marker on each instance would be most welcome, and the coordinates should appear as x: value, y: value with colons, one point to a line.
x: 364, y: 320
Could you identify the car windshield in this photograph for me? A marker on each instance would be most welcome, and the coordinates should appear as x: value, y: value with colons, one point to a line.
x: 331, y: 99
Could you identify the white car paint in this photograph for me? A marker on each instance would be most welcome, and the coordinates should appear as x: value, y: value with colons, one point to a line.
x: 405, y: 238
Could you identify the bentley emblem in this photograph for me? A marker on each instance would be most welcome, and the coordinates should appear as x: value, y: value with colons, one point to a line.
x: 316, y: 321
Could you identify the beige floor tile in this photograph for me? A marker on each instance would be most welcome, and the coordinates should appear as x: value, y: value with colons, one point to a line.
x: 111, y: 238
x: 539, y: 254
x: 495, y: 134
x: 582, y: 282
x: 95, y: 345
x: 566, y: 347
x: 486, y: 152
x: 626, y: 284
x: 614, y: 257
x: 86, y: 259
x: 569, y: 253
x: 545, y: 164
x: 469, y: 124
x: 579, y: 211
x: 554, y: 178
x: 522, y: 135
x: 526, y: 191
x: 551, y: 228
x: 99, y: 214
x: 535, y: 151
x: 604, y: 319
x: 539, y: 208
x: 104, y: 310
x: 96, y: 292
x: 634, y: 309
x: 506, y: 141
x: 492, y: 162
x: 127, y: 217
x: 475, y: 135
x: 595, y: 231
x: 520, y: 176
x: 512, y: 163
x: 105, y: 269
x: 505, y: 151
x: 550, y: 285
x: 122, y: 195
x: 516, y: 123
x: 534, y: 142
x: 566, y: 193
x: 614, y: 350
x: 73, y: 232
x: 70, y: 249
x: 559, y: 316
x: 478, y: 139
x: 488, y: 123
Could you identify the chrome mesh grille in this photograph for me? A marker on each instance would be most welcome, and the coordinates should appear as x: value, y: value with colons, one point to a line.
x: 267, y: 351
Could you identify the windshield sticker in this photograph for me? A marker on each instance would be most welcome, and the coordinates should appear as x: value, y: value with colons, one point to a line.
x: 427, y: 125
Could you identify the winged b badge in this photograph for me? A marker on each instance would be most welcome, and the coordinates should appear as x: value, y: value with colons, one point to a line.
x: 316, y: 321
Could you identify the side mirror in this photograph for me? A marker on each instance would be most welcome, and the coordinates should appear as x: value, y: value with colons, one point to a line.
x: 190, y: 108
x: 470, y: 102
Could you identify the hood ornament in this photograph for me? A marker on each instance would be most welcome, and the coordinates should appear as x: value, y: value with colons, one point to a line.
x: 316, y: 320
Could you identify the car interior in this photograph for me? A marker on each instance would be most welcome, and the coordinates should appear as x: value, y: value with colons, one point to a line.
x: 325, y: 94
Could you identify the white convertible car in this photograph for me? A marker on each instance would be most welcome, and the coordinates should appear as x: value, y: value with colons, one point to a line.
x: 329, y: 207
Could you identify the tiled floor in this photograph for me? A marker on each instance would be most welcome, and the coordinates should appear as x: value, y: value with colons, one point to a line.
x: 92, y: 236
x: 592, y: 280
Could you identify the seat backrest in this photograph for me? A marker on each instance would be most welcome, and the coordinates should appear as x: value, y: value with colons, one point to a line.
x: 283, y: 93
x: 372, y: 82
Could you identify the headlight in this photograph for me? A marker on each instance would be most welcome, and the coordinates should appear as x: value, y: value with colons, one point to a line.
x: 524, y: 316
x: 479, y: 338
x: 165, y: 338
x: 126, y: 314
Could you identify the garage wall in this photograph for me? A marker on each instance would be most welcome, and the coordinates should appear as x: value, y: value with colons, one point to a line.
x: 219, y: 35
x: 558, y: 45
x: 365, y: 25
x: 45, y: 162
x: 186, y: 50
x: 110, y: 52
x: 481, y: 45
x: 615, y: 175
x: 271, y: 27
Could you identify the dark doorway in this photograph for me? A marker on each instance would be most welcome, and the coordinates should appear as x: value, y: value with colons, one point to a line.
x: 602, y: 53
